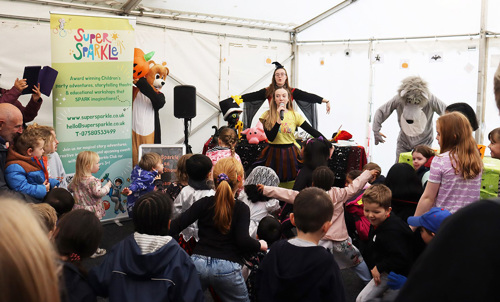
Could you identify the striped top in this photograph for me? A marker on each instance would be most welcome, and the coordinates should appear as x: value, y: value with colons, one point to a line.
x: 454, y: 192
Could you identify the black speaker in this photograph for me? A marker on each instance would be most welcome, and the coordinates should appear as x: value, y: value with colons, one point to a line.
x: 184, y: 101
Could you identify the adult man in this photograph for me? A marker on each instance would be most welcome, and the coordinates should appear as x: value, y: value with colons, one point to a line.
x: 11, y: 125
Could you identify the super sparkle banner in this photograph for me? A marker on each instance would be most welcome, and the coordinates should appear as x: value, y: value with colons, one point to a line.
x: 92, y: 96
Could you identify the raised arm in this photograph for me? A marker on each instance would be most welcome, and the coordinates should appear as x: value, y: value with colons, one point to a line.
x: 282, y: 194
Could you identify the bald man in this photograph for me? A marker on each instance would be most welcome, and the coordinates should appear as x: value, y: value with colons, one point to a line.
x: 11, y: 125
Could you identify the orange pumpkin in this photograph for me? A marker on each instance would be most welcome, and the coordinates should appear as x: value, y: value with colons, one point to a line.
x: 141, y: 65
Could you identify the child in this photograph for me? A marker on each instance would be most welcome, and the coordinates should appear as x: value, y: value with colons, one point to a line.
x: 226, y: 143
x: 198, y: 168
x: 298, y: 269
x: 455, y: 178
x: 259, y: 208
x: 390, y: 243
x: 315, y: 153
x: 175, y: 187
x: 26, y: 167
x: 55, y: 166
x: 61, y: 200
x: 87, y: 190
x: 422, y: 157
x: 494, y: 137
x: 336, y: 238
x: 77, y: 237
x: 357, y: 225
x: 223, y: 223
x: 115, y: 194
x: 47, y: 216
x: 376, y: 179
x: 428, y: 224
x: 143, y: 178
x: 406, y: 189
x: 148, y: 265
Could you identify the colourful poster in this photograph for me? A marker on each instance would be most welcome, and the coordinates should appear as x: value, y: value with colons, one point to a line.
x: 92, y: 96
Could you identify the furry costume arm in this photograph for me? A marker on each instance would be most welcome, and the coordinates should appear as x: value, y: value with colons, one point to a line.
x: 157, y: 99
x: 382, y: 113
x: 437, y: 105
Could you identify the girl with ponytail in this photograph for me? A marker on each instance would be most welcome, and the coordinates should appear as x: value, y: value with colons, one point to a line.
x: 223, y: 223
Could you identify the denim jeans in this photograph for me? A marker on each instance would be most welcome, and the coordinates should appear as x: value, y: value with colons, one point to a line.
x: 223, y: 275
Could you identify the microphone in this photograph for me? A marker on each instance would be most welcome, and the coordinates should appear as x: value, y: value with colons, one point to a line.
x: 282, y: 112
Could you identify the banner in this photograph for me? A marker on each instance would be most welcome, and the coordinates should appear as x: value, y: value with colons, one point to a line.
x: 92, y: 95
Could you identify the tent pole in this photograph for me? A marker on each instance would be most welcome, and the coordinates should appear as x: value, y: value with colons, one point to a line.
x: 295, y: 60
x: 481, y: 75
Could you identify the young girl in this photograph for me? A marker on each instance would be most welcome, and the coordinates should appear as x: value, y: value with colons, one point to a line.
x: 282, y: 154
x: 422, y: 158
x: 336, y: 238
x: 226, y: 143
x: 455, y: 178
x: 77, y: 237
x: 87, y: 190
x: 223, y: 224
x: 175, y: 187
x: 494, y: 137
x: 259, y: 208
x: 142, y: 178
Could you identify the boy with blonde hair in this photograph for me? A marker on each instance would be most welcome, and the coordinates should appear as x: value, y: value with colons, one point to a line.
x: 390, y: 244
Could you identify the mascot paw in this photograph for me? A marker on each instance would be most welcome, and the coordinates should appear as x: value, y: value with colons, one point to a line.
x: 379, y: 137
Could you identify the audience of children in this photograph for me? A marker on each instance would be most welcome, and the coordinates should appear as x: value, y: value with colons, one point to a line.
x: 226, y: 143
x: 298, y: 269
x: 455, y: 175
x: 406, y: 189
x: 148, y: 265
x: 223, y: 230
x: 336, y: 239
x: 378, y: 178
x: 390, y: 244
x: 142, y: 178
x: 422, y: 157
x: 77, y: 237
x: 259, y: 207
x: 26, y: 167
x: 61, y: 200
x: 198, y: 169
x: 27, y: 258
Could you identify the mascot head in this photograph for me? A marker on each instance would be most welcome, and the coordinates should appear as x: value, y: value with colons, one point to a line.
x: 157, y: 75
x: 415, y: 95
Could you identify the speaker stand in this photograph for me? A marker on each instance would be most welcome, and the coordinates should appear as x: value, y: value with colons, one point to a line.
x: 186, y: 136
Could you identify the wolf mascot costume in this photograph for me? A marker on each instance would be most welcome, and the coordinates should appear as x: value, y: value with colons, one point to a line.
x: 415, y: 106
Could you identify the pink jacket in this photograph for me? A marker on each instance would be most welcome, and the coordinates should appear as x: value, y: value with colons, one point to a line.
x: 338, y: 230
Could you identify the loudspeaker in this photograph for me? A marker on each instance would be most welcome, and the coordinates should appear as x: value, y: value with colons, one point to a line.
x: 184, y: 101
